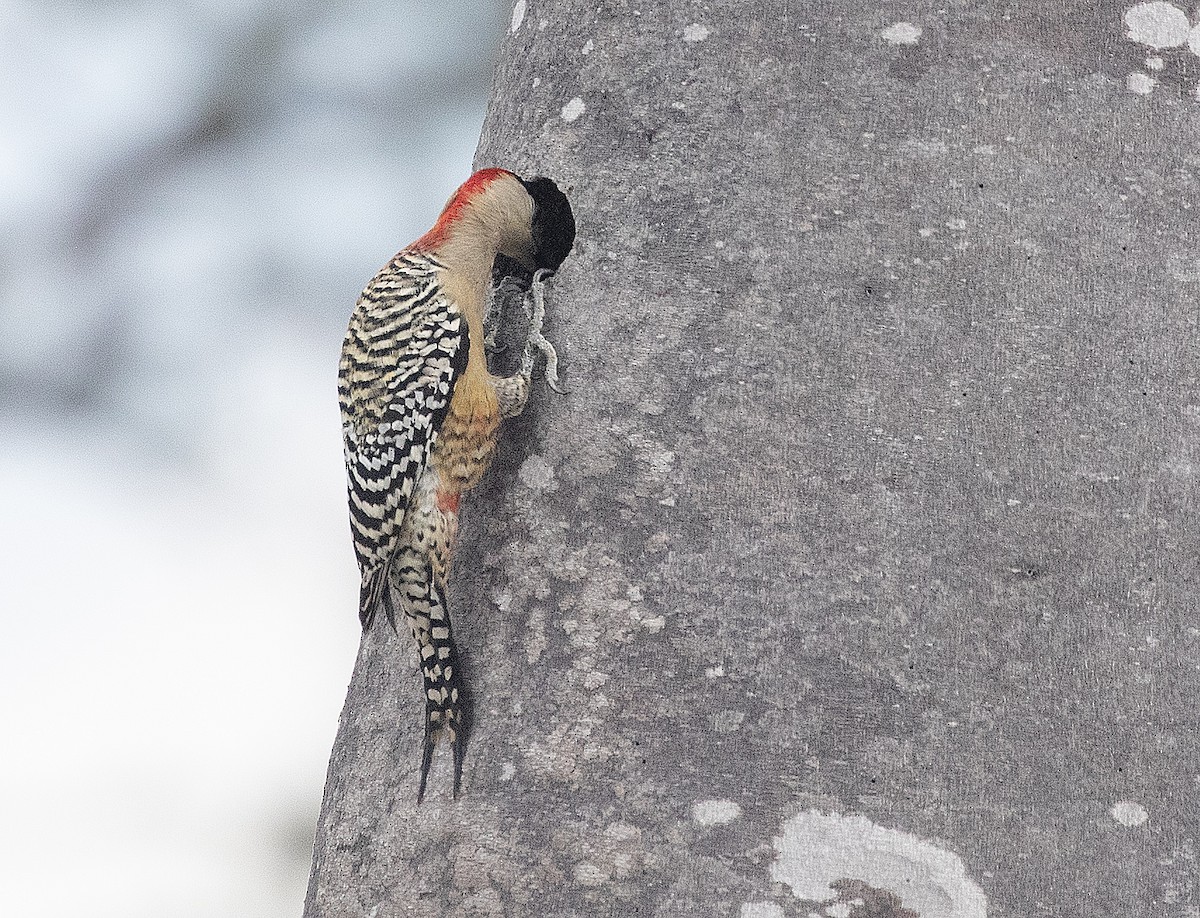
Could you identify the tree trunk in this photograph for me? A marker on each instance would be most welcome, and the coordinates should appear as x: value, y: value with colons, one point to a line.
x: 853, y: 576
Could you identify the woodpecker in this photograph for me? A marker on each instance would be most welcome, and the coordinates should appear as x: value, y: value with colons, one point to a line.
x: 421, y: 412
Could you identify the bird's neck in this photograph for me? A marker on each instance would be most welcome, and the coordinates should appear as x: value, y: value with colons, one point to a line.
x: 468, y: 253
x: 492, y: 212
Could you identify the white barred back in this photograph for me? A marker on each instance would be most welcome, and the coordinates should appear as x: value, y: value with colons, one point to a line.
x: 406, y: 345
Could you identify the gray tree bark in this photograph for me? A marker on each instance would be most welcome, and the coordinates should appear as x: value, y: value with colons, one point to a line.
x: 856, y: 573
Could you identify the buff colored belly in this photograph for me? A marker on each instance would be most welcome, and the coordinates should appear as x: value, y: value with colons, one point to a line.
x: 467, y: 439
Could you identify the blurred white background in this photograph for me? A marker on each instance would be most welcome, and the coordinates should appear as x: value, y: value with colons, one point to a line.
x: 192, y: 193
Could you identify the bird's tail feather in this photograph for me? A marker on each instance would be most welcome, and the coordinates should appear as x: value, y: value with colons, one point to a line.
x: 424, y: 606
x: 371, y: 594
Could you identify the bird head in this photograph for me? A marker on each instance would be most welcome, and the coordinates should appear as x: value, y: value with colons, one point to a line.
x: 527, y: 221
x: 553, y: 226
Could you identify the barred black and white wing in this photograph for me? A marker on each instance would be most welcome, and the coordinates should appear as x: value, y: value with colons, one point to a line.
x: 406, y: 346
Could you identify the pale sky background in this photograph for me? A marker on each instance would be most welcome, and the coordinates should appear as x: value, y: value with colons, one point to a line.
x: 191, y: 196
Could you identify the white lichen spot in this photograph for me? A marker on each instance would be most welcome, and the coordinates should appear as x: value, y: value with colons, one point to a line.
x: 760, y: 910
x: 958, y: 224
x: 1155, y: 63
x: 696, y: 32
x: 537, y: 81
x: 839, y: 910
x: 593, y: 680
x: 715, y: 672
x: 622, y: 833
x: 816, y: 849
x: 925, y: 149
x: 715, y: 812
x: 573, y: 109
x: 654, y: 624
x: 588, y: 48
x: 650, y: 405
x: 1141, y: 83
x: 507, y: 771
x: 589, y: 874
x: 1193, y: 40
x: 537, y: 474
x: 518, y: 15
x: 728, y: 721
x: 1157, y: 24
x: 1129, y: 813
x: 902, y: 33
x: 926, y: 231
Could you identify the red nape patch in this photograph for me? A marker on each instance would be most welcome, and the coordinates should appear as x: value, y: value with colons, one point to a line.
x: 454, y: 208
x: 447, y: 501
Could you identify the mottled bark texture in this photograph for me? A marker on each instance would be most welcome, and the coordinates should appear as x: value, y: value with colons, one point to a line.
x: 873, y: 493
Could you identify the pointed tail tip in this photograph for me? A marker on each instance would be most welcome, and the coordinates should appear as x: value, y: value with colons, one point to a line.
x: 434, y: 730
x: 426, y: 762
x: 458, y: 746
